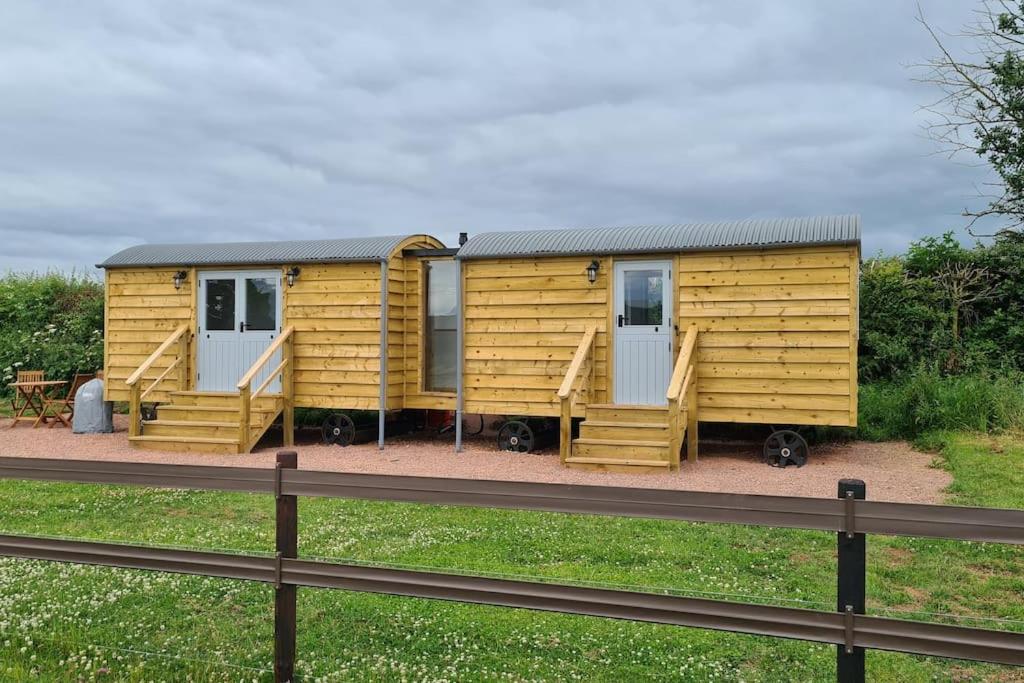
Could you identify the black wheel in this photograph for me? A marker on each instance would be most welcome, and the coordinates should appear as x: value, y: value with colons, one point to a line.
x: 338, y: 428
x: 516, y: 436
x: 785, y: 447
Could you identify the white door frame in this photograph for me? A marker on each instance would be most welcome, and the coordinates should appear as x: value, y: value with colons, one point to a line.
x: 223, y: 356
x: 642, y: 353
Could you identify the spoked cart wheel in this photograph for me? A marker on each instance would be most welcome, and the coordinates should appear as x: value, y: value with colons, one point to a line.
x: 516, y: 436
x: 338, y: 428
x: 785, y: 447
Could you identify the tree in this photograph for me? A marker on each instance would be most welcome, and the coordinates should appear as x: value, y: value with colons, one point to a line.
x: 981, y: 110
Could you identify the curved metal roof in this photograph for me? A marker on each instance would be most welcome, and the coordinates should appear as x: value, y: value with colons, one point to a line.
x: 257, y: 253
x: 778, y: 232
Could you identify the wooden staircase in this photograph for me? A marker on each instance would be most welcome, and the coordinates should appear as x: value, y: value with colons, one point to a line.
x: 621, y: 438
x: 207, y: 422
x: 626, y: 438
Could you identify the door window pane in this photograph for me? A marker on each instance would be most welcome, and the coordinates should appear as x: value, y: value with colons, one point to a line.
x: 260, y: 303
x: 220, y: 304
x: 440, y: 279
x: 643, y: 297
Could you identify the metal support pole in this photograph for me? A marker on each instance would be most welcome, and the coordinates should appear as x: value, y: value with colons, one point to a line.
x: 852, y: 585
x: 460, y: 324
x: 381, y: 415
x: 287, y: 516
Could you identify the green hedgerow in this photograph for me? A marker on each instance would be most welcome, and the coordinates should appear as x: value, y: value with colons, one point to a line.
x: 51, y: 322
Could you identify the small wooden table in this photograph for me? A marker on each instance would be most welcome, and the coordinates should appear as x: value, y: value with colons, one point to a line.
x: 35, y: 396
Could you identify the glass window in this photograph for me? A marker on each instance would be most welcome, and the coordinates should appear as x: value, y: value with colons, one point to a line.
x: 260, y: 303
x: 220, y: 304
x: 440, y: 280
x: 643, y: 297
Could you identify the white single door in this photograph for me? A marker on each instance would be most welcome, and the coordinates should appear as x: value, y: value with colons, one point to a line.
x: 239, y: 316
x: 642, y: 331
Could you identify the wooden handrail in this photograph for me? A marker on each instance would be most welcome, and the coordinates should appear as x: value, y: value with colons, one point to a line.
x: 683, y: 361
x: 686, y: 382
x: 153, y: 357
x: 247, y: 397
x: 177, y: 361
x: 567, y: 392
x: 270, y: 378
x: 582, y: 351
x: 265, y: 358
x: 682, y: 387
x: 136, y: 395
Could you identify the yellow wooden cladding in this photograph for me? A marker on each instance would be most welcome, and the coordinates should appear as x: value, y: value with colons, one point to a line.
x: 524, y: 319
x: 337, y: 332
x: 142, y: 309
x: 778, y: 334
x: 334, y: 309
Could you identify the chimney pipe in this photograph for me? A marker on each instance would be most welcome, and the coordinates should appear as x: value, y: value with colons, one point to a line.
x: 463, y: 238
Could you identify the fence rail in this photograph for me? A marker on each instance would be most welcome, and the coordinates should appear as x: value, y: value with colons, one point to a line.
x: 818, y: 514
x: 850, y: 518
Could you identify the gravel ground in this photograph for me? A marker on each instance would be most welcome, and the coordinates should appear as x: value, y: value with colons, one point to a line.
x: 893, y: 471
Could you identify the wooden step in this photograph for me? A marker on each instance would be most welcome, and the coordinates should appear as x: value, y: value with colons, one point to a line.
x: 190, y: 428
x: 185, y: 445
x: 225, y: 399
x: 197, y: 413
x: 621, y: 448
x: 637, y: 431
x: 626, y: 465
x: 609, y: 412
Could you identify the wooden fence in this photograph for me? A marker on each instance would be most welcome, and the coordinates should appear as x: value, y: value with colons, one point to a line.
x: 849, y: 516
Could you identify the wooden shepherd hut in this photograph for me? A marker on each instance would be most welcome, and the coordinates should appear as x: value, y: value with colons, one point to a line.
x: 211, y: 343
x: 642, y: 332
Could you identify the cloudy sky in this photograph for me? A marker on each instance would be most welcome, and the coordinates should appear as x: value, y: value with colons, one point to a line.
x: 128, y: 122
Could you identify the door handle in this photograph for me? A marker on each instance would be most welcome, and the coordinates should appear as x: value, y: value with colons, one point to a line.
x: 241, y: 326
x: 620, y: 320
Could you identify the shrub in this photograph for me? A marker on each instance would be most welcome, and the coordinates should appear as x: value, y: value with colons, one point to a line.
x: 51, y: 322
x: 927, y: 401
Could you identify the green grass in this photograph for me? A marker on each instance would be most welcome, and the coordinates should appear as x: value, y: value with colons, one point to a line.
x: 69, y: 623
x: 926, y: 402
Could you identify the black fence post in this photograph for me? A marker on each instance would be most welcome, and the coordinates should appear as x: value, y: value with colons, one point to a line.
x: 852, y: 584
x: 287, y: 516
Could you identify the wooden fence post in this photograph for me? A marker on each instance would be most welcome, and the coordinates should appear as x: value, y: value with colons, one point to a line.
x: 852, y: 584
x: 287, y: 516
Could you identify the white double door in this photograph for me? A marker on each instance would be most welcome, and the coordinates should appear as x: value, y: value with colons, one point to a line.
x: 239, y: 317
x: 643, y: 331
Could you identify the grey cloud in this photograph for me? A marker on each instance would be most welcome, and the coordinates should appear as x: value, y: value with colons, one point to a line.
x: 167, y: 121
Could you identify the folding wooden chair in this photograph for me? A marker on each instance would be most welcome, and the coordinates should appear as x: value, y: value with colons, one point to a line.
x: 26, y: 376
x: 63, y: 409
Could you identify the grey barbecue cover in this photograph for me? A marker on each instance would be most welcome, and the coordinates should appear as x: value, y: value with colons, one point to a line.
x: 93, y: 415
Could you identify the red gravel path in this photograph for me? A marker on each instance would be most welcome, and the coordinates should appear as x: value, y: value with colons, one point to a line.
x: 892, y: 471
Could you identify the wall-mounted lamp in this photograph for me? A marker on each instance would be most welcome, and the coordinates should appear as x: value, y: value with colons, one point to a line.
x: 179, y: 278
x: 291, y: 274
x: 592, y: 271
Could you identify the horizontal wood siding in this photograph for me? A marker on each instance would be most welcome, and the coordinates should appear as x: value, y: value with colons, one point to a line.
x: 142, y: 309
x: 335, y: 309
x: 405, y: 324
x: 778, y: 334
x: 524, y: 319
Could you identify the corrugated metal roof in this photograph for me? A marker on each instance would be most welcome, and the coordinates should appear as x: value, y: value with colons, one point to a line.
x: 262, y: 253
x: 666, y: 238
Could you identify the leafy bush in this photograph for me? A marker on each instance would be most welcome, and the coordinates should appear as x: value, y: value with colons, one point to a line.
x: 927, y: 401
x: 51, y: 322
x: 943, y: 307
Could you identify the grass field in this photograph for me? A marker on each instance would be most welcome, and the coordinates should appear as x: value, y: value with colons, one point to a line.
x: 71, y: 623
